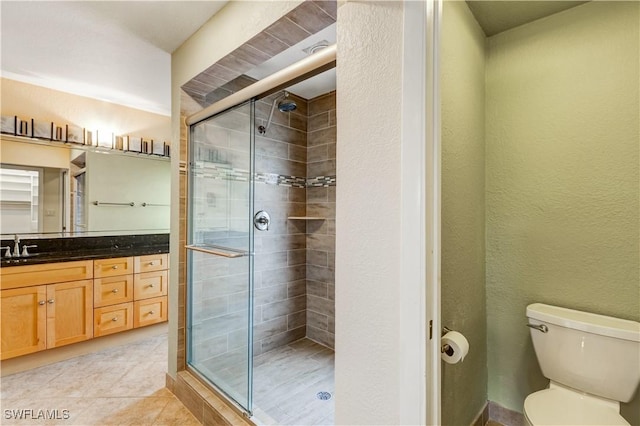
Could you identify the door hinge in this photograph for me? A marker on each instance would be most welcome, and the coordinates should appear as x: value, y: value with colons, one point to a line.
x: 430, y: 329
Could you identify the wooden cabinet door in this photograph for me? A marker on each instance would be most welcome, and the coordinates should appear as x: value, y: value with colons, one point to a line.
x: 69, y: 313
x: 23, y: 315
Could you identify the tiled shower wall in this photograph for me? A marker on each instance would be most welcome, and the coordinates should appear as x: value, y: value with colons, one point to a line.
x: 279, y: 279
x: 321, y: 234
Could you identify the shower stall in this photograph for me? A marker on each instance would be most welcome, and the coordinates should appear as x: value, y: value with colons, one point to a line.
x: 260, y: 244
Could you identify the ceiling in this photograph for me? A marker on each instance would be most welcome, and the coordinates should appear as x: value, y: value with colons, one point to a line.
x: 312, y: 87
x: 116, y: 51
x: 77, y: 46
x: 497, y: 16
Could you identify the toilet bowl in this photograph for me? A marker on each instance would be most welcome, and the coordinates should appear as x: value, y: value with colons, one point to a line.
x: 592, y: 364
x: 560, y: 406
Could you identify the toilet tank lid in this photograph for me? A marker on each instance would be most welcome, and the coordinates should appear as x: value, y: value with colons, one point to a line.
x: 585, y: 321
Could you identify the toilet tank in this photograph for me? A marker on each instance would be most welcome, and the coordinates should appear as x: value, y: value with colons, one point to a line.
x: 596, y: 354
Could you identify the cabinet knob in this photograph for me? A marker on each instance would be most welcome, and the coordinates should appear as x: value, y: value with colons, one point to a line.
x: 150, y: 312
x: 150, y: 285
x: 115, y: 290
x: 50, y: 301
x: 114, y: 319
x: 114, y: 267
x: 152, y: 263
x: 42, y: 302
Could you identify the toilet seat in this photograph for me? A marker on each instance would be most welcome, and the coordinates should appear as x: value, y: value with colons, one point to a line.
x: 562, y: 407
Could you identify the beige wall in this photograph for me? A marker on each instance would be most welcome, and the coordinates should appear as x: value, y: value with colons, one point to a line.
x: 36, y: 155
x: 29, y: 101
x: 464, y: 385
x: 562, y: 180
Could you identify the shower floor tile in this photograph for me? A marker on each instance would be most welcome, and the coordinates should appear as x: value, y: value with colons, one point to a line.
x: 286, y: 382
x: 124, y: 385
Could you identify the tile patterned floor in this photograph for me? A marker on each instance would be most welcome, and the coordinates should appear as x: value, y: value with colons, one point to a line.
x: 124, y: 385
x: 286, y: 381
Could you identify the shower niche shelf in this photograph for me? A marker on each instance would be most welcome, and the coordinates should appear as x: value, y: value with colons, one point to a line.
x: 306, y: 218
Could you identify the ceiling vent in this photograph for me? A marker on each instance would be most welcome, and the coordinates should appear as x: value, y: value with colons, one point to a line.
x: 316, y: 47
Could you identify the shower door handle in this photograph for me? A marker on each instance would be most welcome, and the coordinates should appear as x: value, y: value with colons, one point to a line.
x: 218, y: 251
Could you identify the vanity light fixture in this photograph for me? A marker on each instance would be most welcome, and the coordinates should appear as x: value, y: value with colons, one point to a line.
x: 104, y: 138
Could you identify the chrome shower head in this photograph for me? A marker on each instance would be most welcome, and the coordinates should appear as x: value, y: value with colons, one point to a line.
x: 285, y: 105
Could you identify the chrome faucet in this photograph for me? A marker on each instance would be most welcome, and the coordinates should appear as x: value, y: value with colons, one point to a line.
x: 16, y: 247
x: 7, y: 254
x: 25, y: 252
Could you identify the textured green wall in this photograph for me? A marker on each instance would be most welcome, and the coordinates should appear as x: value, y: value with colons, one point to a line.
x: 464, y: 385
x: 562, y: 180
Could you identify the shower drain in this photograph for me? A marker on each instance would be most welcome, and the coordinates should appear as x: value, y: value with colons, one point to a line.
x: 323, y: 395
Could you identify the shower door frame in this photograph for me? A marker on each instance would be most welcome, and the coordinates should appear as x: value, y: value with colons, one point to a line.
x: 246, y: 411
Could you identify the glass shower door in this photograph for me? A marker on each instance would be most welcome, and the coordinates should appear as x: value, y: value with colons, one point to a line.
x: 220, y: 251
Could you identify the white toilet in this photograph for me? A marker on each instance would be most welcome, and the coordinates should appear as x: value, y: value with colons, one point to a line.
x: 592, y: 362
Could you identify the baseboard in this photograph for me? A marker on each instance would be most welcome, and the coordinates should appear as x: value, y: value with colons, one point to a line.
x: 483, y: 416
x: 505, y: 416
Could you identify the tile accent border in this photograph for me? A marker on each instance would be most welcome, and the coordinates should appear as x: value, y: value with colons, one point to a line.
x: 505, y: 416
x: 321, y: 181
x: 219, y: 172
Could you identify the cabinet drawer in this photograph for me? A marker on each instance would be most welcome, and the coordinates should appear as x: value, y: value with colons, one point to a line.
x: 152, y: 262
x: 112, y: 290
x: 150, y: 284
x: 112, y: 319
x: 112, y: 267
x: 47, y: 273
x: 150, y: 311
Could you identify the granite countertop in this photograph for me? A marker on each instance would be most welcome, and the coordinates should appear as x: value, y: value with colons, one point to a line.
x: 62, y: 256
x: 89, y: 248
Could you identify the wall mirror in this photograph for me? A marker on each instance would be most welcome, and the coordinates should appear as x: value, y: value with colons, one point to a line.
x: 56, y: 190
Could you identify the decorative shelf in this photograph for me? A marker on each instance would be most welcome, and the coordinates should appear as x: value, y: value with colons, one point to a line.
x: 306, y: 218
x: 83, y: 147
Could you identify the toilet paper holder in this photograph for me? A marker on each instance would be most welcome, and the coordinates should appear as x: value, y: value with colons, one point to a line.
x: 446, y: 348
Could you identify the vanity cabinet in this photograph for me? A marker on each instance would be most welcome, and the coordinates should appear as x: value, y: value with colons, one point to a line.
x: 113, y: 311
x: 132, y: 293
x: 55, y: 304
x: 45, y: 306
x: 150, y: 289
